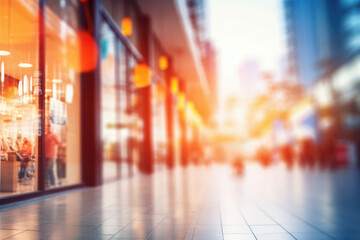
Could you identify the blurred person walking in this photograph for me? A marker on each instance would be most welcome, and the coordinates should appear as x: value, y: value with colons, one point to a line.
x: 51, y: 142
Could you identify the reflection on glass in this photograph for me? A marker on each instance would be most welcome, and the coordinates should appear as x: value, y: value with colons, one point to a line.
x: 136, y: 120
x: 159, y: 124
x: 108, y: 102
x: 62, y: 96
x: 20, y: 83
x: 124, y: 114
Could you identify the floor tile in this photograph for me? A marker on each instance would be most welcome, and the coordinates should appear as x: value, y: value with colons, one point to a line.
x: 196, y: 203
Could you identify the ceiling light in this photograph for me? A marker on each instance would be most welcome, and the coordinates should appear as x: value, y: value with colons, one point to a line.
x: 4, y: 53
x: 56, y: 80
x: 25, y: 65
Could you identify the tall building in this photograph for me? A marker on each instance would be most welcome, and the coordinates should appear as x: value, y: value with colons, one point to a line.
x: 320, y: 35
x: 323, y: 49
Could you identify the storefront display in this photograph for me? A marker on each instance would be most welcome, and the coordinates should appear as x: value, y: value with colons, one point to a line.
x: 70, y: 111
x: 108, y: 102
x: 159, y: 124
x: 19, y: 113
x: 62, y: 96
x: 21, y: 95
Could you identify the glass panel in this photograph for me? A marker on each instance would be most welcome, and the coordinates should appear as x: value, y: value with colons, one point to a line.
x: 62, y: 95
x: 136, y: 122
x: 20, y: 84
x: 125, y: 115
x: 108, y: 102
x: 159, y: 124
x: 123, y: 8
x: 177, y: 135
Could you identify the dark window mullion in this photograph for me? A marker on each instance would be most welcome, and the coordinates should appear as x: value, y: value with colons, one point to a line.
x: 41, y: 136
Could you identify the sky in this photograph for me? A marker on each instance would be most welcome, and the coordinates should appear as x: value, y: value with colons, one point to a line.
x: 245, y: 30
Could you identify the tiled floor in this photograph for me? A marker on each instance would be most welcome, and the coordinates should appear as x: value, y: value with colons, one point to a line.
x: 198, y: 203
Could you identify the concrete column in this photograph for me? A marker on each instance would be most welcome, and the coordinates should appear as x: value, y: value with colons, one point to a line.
x: 91, y: 104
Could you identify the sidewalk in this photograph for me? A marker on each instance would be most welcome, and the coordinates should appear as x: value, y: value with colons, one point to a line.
x: 198, y: 203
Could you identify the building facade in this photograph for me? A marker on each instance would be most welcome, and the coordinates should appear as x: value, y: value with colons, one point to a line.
x: 323, y: 49
x: 93, y: 91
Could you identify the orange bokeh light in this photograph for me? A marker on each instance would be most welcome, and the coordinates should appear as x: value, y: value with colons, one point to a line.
x: 81, y: 52
x: 126, y: 26
x: 174, y: 85
x: 181, y: 102
x: 163, y: 62
x: 142, y: 75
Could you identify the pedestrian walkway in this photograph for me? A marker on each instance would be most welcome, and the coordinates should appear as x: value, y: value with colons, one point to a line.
x: 197, y: 203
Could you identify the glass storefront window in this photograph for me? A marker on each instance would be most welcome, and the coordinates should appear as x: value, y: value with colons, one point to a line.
x: 19, y: 103
x: 136, y: 122
x: 108, y: 102
x: 177, y: 133
x: 159, y: 124
x: 124, y: 130
x: 62, y: 95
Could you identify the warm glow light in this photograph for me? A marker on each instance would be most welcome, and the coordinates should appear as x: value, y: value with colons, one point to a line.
x: 19, y: 22
x: 26, y: 85
x: 159, y: 91
x: 31, y: 87
x: 126, y: 26
x: 25, y: 65
x: 20, y: 88
x: 69, y: 93
x: 163, y: 63
x: 81, y: 52
x: 4, y: 53
x: 192, y: 114
x: 174, y: 85
x: 2, y: 72
x: 142, y: 75
x: 305, y: 107
x: 56, y: 80
x: 181, y: 103
x: 134, y: 100
x: 190, y: 107
x: 54, y: 90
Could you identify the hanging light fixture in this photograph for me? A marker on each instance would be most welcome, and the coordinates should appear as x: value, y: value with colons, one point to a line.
x: 163, y: 63
x: 142, y: 75
x: 4, y: 53
x: 174, y: 85
x: 25, y: 65
x: 126, y: 26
